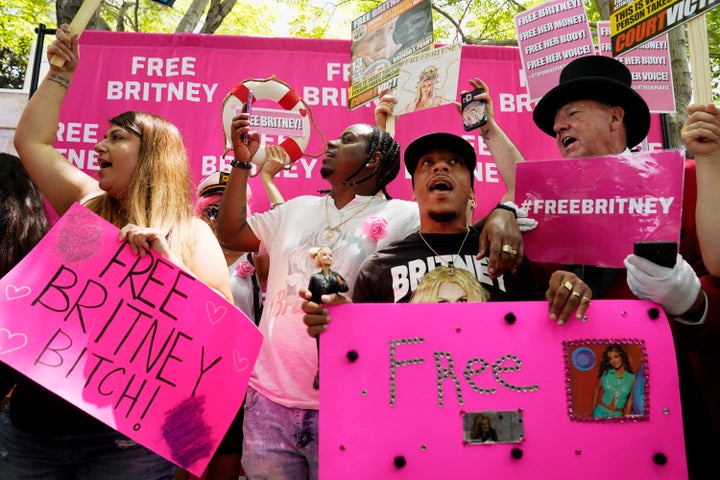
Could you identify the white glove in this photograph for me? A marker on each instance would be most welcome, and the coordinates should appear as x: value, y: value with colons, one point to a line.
x: 675, y: 289
x: 524, y: 223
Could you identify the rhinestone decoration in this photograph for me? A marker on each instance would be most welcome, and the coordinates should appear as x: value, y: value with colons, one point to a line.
x: 394, y: 364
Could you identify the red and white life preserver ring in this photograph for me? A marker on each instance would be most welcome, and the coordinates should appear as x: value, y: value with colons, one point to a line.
x: 279, y: 92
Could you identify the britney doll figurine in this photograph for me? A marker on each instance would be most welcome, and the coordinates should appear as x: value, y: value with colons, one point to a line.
x: 325, y: 281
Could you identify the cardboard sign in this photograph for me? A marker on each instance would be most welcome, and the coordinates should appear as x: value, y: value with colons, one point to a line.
x: 402, y: 386
x: 635, y: 22
x: 136, y: 342
x: 382, y: 37
x: 427, y: 80
x: 649, y: 66
x: 591, y: 210
x: 550, y: 36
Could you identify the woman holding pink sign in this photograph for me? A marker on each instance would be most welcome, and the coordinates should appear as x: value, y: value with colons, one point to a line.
x: 144, y: 188
x: 23, y: 223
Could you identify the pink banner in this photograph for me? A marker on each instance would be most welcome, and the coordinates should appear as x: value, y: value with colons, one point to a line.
x: 135, y: 342
x: 185, y: 78
x: 591, y: 211
x: 550, y: 36
x: 403, y: 384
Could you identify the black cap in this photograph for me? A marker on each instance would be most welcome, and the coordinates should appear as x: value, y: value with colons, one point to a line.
x: 439, y: 141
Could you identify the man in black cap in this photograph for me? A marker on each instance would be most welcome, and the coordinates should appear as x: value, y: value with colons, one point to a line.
x: 441, y: 166
x: 594, y: 112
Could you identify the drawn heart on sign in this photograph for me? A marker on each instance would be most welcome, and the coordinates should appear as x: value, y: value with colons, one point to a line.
x: 7, y: 344
x: 241, y: 363
x: 215, y: 312
x: 13, y: 293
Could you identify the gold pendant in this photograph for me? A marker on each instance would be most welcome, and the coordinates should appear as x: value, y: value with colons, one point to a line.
x: 330, y: 234
x: 451, y: 269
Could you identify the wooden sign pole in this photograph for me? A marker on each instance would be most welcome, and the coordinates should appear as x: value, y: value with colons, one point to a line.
x: 78, y: 24
x: 699, y: 59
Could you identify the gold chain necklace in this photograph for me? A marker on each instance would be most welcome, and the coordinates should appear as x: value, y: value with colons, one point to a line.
x: 451, y: 263
x: 331, y: 229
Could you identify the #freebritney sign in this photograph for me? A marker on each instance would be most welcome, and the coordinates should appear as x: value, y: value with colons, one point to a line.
x: 591, y: 210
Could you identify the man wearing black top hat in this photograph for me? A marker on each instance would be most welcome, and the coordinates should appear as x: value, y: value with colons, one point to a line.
x: 594, y: 112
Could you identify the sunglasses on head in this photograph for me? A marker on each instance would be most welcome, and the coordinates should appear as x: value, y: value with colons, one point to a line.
x: 211, y: 212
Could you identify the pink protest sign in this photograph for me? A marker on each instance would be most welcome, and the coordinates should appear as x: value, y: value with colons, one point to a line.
x: 649, y: 65
x: 550, y: 36
x: 276, y: 122
x: 402, y: 387
x: 591, y: 210
x: 134, y: 341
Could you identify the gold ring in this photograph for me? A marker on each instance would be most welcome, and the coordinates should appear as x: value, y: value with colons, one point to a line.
x: 585, y: 299
x: 568, y: 285
x: 508, y: 249
x: 576, y: 294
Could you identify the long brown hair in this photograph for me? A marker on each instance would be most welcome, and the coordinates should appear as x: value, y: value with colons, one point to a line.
x: 23, y: 219
x: 160, y: 193
x: 605, y: 359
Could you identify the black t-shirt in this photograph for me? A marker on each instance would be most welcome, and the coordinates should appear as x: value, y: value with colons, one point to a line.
x: 392, y: 274
x: 37, y: 411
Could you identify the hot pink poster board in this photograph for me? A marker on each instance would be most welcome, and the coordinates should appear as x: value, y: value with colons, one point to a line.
x: 419, y: 369
x: 550, y: 36
x: 591, y: 211
x: 185, y: 77
x: 135, y: 342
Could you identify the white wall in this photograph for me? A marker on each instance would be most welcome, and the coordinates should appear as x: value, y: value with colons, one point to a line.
x: 12, y: 103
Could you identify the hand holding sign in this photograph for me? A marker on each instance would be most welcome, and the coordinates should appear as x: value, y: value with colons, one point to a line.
x: 63, y: 53
x: 383, y: 113
x: 78, y: 24
x: 88, y: 318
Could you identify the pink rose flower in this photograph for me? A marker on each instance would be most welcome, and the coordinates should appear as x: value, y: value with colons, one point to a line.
x: 244, y: 269
x: 375, y: 228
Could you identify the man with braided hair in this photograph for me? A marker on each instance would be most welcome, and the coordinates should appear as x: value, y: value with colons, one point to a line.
x: 281, y: 410
x: 386, y: 170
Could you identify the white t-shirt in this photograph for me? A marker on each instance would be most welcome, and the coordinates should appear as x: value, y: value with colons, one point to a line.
x: 288, y: 359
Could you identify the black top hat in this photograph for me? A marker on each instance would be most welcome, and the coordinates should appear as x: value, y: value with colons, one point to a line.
x: 599, y: 78
x: 441, y: 141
